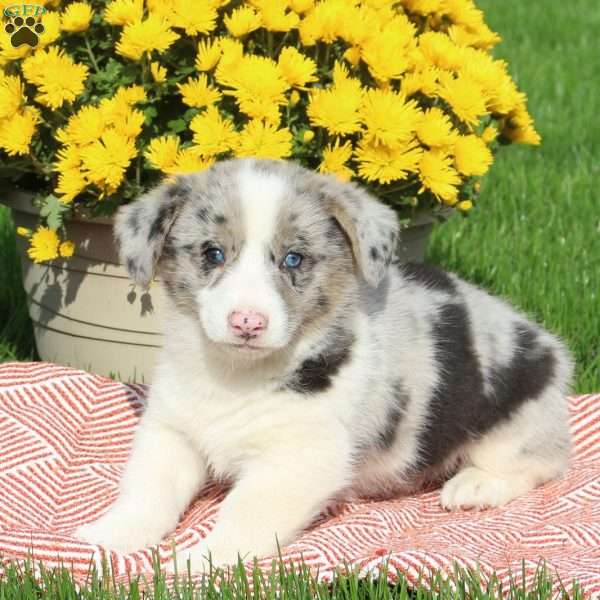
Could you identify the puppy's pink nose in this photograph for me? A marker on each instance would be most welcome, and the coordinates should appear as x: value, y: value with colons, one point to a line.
x: 247, y: 323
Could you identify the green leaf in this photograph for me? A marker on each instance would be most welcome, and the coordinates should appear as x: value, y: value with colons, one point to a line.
x: 53, y: 210
x: 150, y: 113
x: 177, y: 125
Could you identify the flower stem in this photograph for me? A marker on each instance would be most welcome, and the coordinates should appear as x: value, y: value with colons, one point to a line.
x: 90, y: 53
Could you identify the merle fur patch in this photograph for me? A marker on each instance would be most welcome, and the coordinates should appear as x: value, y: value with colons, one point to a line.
x: 428, y: 276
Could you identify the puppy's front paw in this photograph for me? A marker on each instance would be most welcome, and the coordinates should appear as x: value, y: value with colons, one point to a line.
x: 475, y: 488
x: 121, y: 531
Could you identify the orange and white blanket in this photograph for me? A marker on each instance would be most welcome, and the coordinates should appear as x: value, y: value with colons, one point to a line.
x: 65, y: 436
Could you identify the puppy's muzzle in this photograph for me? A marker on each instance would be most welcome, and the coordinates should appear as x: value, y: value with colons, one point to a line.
x: 247, y: 324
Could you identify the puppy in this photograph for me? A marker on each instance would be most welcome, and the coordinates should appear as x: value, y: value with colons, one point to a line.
x: 305, y: 365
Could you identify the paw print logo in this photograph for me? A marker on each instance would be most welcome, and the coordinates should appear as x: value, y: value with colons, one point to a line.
x: 24, y: 31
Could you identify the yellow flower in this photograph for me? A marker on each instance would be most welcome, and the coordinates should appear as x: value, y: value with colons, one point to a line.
x: 263, y: 140
x: 438, y: 176
x: 465, y: 97
x: 386, y: 54
x: 435, y: 129
x: 308, y: 136
x: 424, y: 7
x: 465, y: 205
x: 471, y: 155
x: 192, y: 16
x: 11, y: 95
x: 66, y: 249
x: 301, y: 6
x: 77, y: 16
x: 144, y: 36
x: 337, y: 108
x: 294, y: 98
x: 159, y: 73
x: 162, y: 152
x: 274, y: 17
x: 352, y: 55
x: 23, y: 231
x: 130, y: 124
x: 209, y: 53
x: 71, y: 182
x: 378, y: 162
x: 388, y: 117
x: 297, y: 69
x: 257, y: 85
x: 212, y: 133
x: 69, y: 158
x: 325, y: 22
x: 518, y: 127
x: 198, y: 93
x: 425, y: 81
x: 105, y: 160
x: 189, y: 161
x: 43, y: 245
x: 490, y: 133
x: 124, y: 12
x: 58, y: 78
x: 242, y: 21
x: 52, y: 27
x: 131, y: 95
x: 16, y: 133
x: 440, y: 51
x: 84, y: 127
x: 335, y: 158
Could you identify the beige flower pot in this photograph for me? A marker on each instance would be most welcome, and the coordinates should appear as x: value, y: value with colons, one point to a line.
x: 86, y: 312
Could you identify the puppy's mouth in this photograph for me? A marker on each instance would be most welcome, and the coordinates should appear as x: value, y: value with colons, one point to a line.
x: 248, y: 348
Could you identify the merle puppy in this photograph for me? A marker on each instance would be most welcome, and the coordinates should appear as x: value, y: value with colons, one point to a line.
x: 304, y: 365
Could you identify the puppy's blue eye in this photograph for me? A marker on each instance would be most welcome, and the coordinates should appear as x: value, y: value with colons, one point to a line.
x: 216, y: 256
x: 292, y: 260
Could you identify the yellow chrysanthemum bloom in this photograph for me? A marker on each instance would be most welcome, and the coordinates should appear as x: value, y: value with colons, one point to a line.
x: 52, y: 28
x: 274, y: 16
x: 105, y: 161
x: 352, y: 55
x: 43, y: 245
x: 466, y: 98
x: 124, y: 12
x: 435, y: 129
x: 335, y: 157
x: 263, y: 140
x: 386, y: 54
x: 389, y: 119
x: 297, y: 69
x: 198, y: 93
x: 162, y: 152
x: 438, y: 176
x: 76, y: 17
x: 490, y: 133
x: 519, y: 128
x: 308, y: 136
x: 159, y: 73
x: 440, y: 51
x: 471, y: 155
x: 134, y: 94
x: 68, y: 158
x: 324, y: 23
x: 131, y: 123
x: 193, y: 17
x: 424, y: 7
x: 144, y: 36
x: 425, y: 81
x: 212, y: 133
x: 16, y: 133
x: 71, y: 183
x: 11, y: 95
x: 66, y: 249
x: 465, y: 205
x: 209, y: 53
x: 301, y: 6
x: 189, y: 161
x: 257, y: 85
x: 83, y: 128
x: 380, y: 163
x: 242, y: 21
x: 338, y: 107
x: 57, y: 77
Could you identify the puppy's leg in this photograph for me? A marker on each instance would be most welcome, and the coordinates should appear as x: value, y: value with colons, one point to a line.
x: 163, y: 474
x: 273, y: 500
x: 530, y: 448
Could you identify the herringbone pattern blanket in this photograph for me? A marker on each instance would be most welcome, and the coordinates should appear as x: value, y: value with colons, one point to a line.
x: 66, y: 434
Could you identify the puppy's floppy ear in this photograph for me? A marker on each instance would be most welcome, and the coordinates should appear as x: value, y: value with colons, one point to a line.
x: 141, y: 228
x: 371, y: 226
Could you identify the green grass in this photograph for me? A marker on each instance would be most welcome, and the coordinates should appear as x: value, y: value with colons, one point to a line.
x: 34, y: 582
x: 534, y: 239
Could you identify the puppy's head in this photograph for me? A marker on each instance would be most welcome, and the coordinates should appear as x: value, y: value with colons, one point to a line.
x: 257, y: 250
